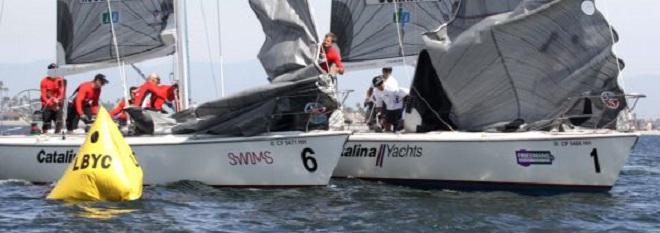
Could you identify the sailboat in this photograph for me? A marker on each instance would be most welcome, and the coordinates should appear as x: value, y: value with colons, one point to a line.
x: 259, y: 137
x: 511, y: 94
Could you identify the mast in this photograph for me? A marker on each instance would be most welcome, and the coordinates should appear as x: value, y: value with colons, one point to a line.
x: 182, y: 53
x: 222, y: 68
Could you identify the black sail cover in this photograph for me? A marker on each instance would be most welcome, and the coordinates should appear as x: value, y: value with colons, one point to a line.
x: 299, y: 95
x: 144, y: 30
x: 529, y: 60
x: 367, y: 29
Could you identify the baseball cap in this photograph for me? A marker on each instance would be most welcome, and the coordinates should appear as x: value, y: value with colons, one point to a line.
x: 377, y: 81
x: 102, y: 78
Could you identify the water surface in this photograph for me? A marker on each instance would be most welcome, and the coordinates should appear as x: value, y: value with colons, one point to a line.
x: 349, y: 205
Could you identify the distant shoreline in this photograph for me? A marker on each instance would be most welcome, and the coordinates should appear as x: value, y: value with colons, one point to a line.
x: 14, y: 123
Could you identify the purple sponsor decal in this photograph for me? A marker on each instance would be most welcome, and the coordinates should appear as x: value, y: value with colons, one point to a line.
x: 529, y: 157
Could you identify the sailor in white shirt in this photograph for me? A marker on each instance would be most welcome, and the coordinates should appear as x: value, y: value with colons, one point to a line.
x: 393, y: 100
x: 390, y: 81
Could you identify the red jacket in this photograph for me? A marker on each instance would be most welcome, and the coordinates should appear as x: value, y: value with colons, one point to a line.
x: 52, y: 91
x: 159, y: 94
x: 87, y: 94
x: 118, y: 111
x: 332, y: 56
x: 166, y: 90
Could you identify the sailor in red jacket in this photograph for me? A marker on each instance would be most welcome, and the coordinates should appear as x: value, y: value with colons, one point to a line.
x: 53, y: 90
x: 157, y: 102
x: 330, y: 55
x: 152, y: 96
x: 86, y: 103
x: 118, y: 112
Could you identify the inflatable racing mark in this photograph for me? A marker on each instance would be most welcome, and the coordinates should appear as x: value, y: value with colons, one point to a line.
x: 105, y: 168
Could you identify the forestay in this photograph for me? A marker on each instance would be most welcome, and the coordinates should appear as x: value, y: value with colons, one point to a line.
x: 144, y: 30
x: 532, y: 61
x: 367, y: 29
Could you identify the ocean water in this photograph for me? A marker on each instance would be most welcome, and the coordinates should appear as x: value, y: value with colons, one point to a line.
x: 349, y: 205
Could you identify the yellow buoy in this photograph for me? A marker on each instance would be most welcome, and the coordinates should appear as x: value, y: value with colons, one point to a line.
x: 104, y: 169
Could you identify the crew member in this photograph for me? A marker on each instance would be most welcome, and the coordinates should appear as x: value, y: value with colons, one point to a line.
x: 159, y: 94
x: 86, y: 102
x: 370, y: 114
x: 393, y: 101
x: 330, y: 60
x: 157, y: 102
x: 53, y: 91
x: 390, y: 82
x: 118, y: 112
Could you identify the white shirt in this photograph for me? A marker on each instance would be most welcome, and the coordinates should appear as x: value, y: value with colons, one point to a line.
x: 390, y: 85
x: 393, y: 99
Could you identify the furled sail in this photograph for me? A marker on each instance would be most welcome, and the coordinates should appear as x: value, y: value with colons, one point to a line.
x: 144, y: 30
x: 299, y: 96
x: 532, y: 62
x: 368, y: 34
x: 289, y: 29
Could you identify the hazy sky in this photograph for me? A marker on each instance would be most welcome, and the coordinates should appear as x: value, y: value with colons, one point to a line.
x: 27, y: 35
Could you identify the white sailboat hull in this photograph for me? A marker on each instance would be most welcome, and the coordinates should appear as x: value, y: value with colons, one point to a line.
x: 272, y: 160
x: 590, y: 161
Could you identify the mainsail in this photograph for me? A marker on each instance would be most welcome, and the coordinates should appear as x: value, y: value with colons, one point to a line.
x: 369, y: 31
x: 298, y: 97
x: 532, y: 62
x: 144, y: 29
x: 290, y: 30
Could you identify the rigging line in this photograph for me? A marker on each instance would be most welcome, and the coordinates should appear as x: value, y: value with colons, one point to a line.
x: 122, y: 73
x: 403, y: 57
x: 222, y: 63
x: 139, y: 71
x: 397, y: 22
x: 208, y: 48
x: 428, y: 105
x: 627, y: 116
x: 618, y: 66
x: 2, y: 10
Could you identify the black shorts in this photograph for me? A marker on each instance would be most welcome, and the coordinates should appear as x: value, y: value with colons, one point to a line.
x: 72, y: 117
x: 49, y: 115
x: 393, y: 116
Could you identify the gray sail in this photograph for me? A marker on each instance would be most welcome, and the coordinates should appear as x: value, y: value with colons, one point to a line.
x: 367, y: 29
x: 144, y: 29
x: 299, y: 97
x: 537, y: 61
x: 289, y: 30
